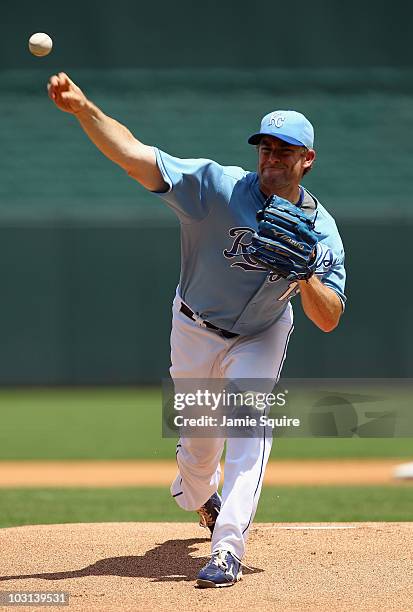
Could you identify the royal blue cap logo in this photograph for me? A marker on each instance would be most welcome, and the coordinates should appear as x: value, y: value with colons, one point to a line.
x: 289, y: 125
x: 276, y: 119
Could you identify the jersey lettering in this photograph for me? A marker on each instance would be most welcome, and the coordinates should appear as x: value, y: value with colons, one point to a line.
x: 325, y: 259
x: 292, y: 289
x: 241, y: 241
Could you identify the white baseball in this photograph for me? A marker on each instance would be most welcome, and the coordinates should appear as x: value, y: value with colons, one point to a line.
x: 40, y: 44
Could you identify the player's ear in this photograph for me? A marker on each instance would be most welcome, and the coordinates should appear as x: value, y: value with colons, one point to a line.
x: 309, y: 158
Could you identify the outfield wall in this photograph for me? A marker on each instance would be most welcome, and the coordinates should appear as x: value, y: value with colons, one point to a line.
x: 90, y: 304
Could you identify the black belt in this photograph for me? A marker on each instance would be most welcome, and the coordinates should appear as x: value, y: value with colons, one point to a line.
x: 191, y: 315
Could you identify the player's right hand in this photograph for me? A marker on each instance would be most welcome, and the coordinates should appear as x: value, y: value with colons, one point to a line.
x: 65, y: 94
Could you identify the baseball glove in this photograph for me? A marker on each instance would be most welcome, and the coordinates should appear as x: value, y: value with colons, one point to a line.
x: 285, y: 241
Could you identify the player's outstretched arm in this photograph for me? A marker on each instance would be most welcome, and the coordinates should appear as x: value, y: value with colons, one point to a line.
x: 111, y: 137
x: 320, y: 303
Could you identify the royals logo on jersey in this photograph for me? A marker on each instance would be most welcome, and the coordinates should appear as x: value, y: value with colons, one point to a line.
x: 241, y: 240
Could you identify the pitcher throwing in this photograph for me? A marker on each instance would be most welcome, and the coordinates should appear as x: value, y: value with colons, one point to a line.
x: 250, y: 242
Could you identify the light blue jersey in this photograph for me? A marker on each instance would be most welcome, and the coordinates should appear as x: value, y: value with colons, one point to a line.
x: 216, y: 206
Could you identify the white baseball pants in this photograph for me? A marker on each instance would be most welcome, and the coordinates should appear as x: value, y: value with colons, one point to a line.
x: 197, y: 352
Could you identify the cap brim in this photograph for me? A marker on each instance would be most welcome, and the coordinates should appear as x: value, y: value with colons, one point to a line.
x: 255, y: 139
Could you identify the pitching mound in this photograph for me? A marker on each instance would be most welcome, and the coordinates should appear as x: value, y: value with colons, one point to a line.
x: 152, y: 566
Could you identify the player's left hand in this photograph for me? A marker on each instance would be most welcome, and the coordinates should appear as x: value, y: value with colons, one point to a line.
x: 285, y: 241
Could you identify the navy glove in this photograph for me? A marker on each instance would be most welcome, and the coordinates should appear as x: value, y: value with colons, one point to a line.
x: 285, y: 241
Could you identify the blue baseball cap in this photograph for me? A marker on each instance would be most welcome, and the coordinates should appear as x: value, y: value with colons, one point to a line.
x: 287, y: 125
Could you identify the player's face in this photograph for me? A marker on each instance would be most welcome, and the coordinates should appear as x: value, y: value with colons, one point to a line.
x: 281, y: 165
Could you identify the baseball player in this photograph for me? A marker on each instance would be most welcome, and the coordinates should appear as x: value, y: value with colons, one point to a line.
x: 232, y: 317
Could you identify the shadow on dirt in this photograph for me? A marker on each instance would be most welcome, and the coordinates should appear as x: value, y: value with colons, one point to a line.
x: 170, y: 561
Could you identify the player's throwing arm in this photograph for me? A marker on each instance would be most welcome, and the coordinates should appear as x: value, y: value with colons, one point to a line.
x: 111, y: 137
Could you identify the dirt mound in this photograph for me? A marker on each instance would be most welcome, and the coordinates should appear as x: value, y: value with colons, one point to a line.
x: 152, y: 566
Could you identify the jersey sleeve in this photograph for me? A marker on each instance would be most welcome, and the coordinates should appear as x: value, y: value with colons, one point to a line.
x: 193, y: 185
x: 334, y: 276
x: 330, y: 262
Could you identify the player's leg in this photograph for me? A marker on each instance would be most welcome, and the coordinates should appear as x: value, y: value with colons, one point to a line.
x: 195, y: 354
x: 199, y: 471
x: 259, y: 356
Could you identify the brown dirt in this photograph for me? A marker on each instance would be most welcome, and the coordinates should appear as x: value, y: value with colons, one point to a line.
x: 149, y: 566
x: 161, y: 473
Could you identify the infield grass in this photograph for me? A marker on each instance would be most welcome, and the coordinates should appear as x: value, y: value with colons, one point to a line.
x: 125, y: 423
x: 277, y: 504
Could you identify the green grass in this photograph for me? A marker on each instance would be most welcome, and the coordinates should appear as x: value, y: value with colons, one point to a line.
x: 125, y: 423
x: 277, y: 504
x: 82, y: 424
